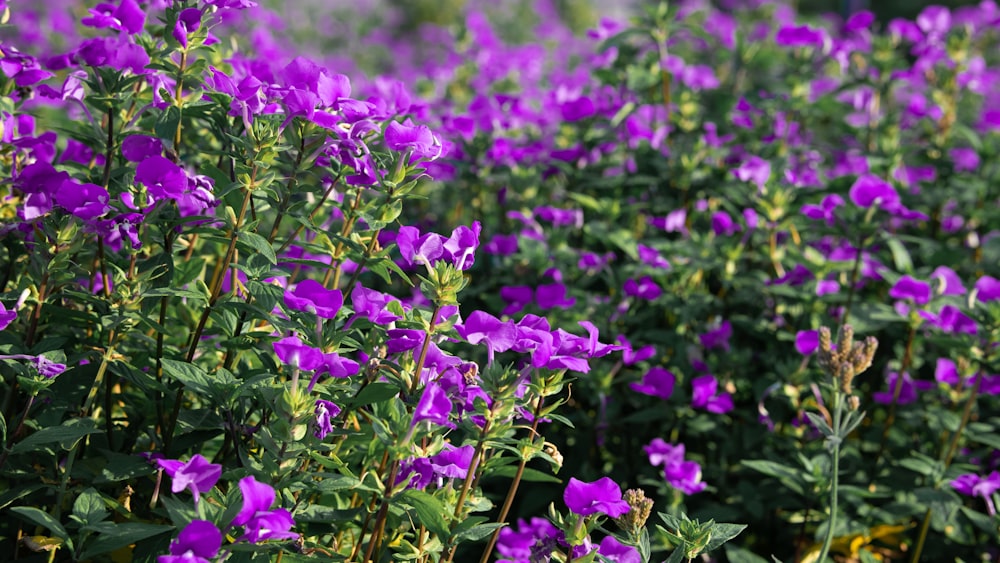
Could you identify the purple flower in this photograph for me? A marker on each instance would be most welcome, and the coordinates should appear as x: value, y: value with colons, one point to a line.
x: 198, y: 542
x: 825, y: 210
x: 630, y: 356
x: 578, y: 109
x: 704, y: 396
x: 950, y: 320
x: 945, y: 371
x: 498, y: 335
x: 987, y: 288
x: 950, y: 283
x: 910, y: 288
x: 973, y: 485
x: 325, y: 412
x: 907, y: 392
x: 6, y: 317
x: 462, y: 245
x: 657, y: 382
x: 418, y: 139
x: 137, y: 148
x: 824, y: 287
x: 723, y: 224
x: 162, y: 178
x: 258, y: 521
x: 516, y: 297
x: 807, y: 341
x: 553, y: 295
x: 434, y: 405
x: 295, y: 353
x: 682, y: 475
x: 718, y: 337
x: 197, y: 474
x: 519, y: 545
x: 452, y: 462
x: 501, y: 245
x: 188, y: 21
x: 645, y: 288
x: 869, y: 189
x: 651, y: 257
x: 311, y: 296
x: 800, y: 36
x: 603, y: 496
x: 617, y: 552
x: 756, y: 170
x: 964, y: 159
x: 128, y: 17
x: 372, y: 304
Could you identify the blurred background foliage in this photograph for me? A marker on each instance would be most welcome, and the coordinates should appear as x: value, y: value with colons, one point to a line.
x: 581, y: 14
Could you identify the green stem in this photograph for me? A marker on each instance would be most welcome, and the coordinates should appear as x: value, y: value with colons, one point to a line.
x: 949, y: 454
x: 838, y: 408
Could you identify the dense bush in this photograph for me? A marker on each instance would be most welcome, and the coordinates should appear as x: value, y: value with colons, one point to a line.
x: 223, y: 274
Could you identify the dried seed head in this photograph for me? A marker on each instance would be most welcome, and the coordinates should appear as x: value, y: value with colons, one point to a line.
x: 641, y: 507
x: 853, y: 402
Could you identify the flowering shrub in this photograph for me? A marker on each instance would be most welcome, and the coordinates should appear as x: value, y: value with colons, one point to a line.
x: 402, y: 317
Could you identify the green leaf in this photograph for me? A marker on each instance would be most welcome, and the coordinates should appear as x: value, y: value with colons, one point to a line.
x: 375, y: 393
x: 722, y: 532
x: 116, y: 536
x: 191, y: 376
x: 900, y: 256
x: 258, y: 244
x: 429, y: 510
x: 676, y: 556
x: 89, y: 507
x: 740, y: 555
x: 43, y: 519
x: 529, y: 474
x: 67, y: 435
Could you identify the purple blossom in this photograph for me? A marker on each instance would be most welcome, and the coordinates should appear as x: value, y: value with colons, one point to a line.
x: 723, y: 224
x: 869, y: 189
x: 987, y: 288
x: 501, y: 245
x: 680, y: 474
x: 516, y: 297
x: 907, y: 392
x: 755, y: 170
x: 603, y: 496
x: 292, y: 351
x: 964, y: 159
x: 717, y: 337
x: 258, y: 521
x: 197, y: 474
x: 417, y: 139
x: 137, y: 148
x: 372, y: 305
x: 549, y: 296
x: 434, y: 406
x: 630, y: 356
x: 198, y: 542
x: 617, y: 552
x: 645, y: 288
x: 950, y: 320
x: 800, y: 36
x: 188, y: 21
x: 909, y: 288
x: 127, y: 16
x: 452, y: 462
x: 657, y: 382
x: 704, y: 395
x: 651, y: 257
x: 311, y: 296
x: 949, y: 282
x: 498, y: 335
x: 825, y: 210
x: 976, y: 486
x: 162, y: 178
x: 519, y: 545
x: 945, y: 371
x: 6, y: 317
x: 807, y: 341
x: 325, y: 412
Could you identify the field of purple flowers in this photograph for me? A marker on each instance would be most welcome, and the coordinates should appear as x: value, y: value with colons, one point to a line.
x: 286, y: 283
